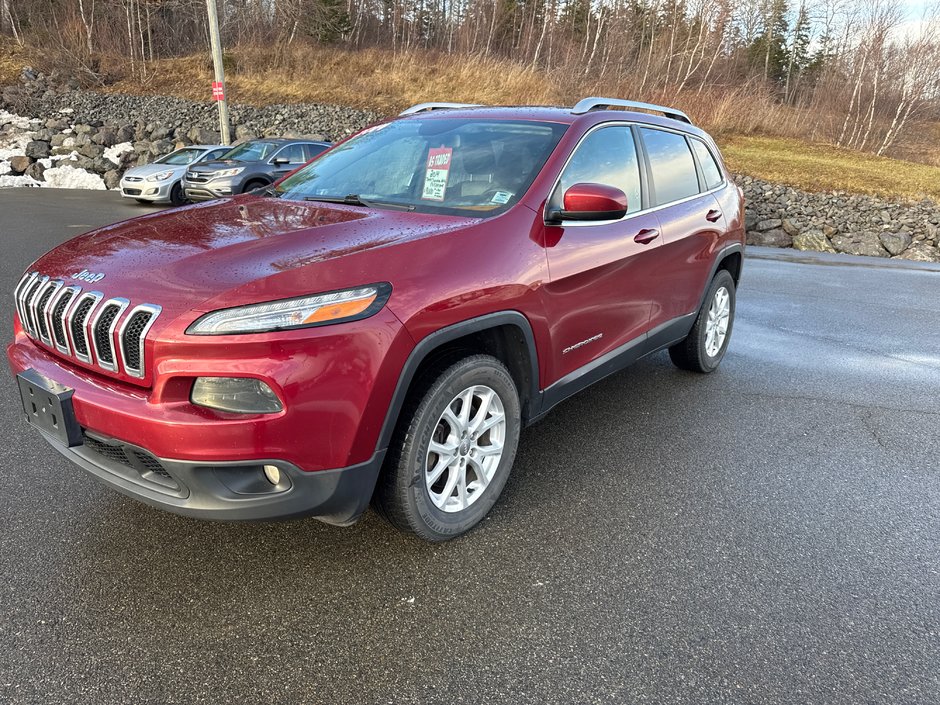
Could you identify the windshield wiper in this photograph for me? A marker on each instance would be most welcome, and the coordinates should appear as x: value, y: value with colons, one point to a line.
x: 353, y: 199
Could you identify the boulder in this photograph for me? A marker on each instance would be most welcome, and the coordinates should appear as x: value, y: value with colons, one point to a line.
x: 769, y: 224
x: 37, y: 149
x: 58, y: 140
x: 921, y: 252
x: 83, y: 129
x: 90, y: 150
x: 813, y: 240
x: 161, y: 147
x: 19, y: 164
x: 776, y: 237
x: 35, y: 171
x: 106, y: 137
x: 159, y: 132
x: 102, y: 165
x: 243, y: 133
x: 789, y: 227
x: 864, y: 243
x: 112, y: 178
x: 200, y: 135
x: 895, y: 243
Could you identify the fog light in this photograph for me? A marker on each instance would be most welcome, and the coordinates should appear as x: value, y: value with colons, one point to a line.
x: 242, y: 395
x: 151, y: 191
x: 272, y: 473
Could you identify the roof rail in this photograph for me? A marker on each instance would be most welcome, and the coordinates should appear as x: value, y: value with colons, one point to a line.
x: 422, y: 107
x: 589, y: 104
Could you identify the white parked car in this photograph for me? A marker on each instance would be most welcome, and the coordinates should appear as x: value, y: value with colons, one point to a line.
x: 159, y: 182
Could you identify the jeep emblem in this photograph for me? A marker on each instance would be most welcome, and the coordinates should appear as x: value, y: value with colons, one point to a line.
x: 87, y: 276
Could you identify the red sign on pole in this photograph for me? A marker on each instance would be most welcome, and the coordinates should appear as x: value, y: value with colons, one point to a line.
x: 218, y: 91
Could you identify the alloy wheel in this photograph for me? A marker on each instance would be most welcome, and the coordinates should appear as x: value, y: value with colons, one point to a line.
x: 465, y: 448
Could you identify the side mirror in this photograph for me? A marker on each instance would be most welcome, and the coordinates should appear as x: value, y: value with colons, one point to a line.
x: 280, y: 161
x: 591, y: 202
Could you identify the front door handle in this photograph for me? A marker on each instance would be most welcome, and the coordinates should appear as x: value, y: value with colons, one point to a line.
x: 646, y: 236
x: 713, y: 216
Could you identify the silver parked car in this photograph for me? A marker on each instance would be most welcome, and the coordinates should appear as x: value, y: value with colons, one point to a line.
x: 159, y: 182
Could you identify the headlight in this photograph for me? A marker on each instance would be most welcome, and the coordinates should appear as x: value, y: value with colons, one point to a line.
x: 241, y: 395
x: 162, y: 176
x: 228, y: 172
x: 303, y: 312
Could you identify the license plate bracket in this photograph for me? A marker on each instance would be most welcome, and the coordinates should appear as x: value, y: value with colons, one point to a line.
x: 48, y: 406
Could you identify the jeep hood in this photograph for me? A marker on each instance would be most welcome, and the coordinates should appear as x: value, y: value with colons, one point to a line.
x: 234, y: 251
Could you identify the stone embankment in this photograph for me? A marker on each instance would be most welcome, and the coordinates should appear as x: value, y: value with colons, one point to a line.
x: 781, y: 216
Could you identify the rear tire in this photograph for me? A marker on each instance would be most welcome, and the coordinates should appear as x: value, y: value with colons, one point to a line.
x: 708, y: 340
x: 453, y: 450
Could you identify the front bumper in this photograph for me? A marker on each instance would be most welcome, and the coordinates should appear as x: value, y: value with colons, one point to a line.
x: 224, y: 490
x: 216, y: 188
x: 155, y: 191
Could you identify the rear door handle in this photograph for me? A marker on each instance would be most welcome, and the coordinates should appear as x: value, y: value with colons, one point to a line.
x: 713, y: 216
x: 646, y: 236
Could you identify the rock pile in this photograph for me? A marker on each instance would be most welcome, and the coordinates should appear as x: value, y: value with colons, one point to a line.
x: 782, y: 216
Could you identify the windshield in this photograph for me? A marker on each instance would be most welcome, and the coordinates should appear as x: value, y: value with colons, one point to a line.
x: 444, y: 165
x: 251, y: 152
x: 180, y: 157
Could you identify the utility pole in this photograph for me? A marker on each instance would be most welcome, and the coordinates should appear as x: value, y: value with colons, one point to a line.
x: 218, y: 87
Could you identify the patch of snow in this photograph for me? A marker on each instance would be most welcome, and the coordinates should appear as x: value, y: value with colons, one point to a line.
x: 17, y: 121
x: 70, y: 177
x: 114, y: 153
x: 67, y: 111
x: 15, y: 145
x: 12, y: 181
x: 4, y: 167
x: 68, y: 142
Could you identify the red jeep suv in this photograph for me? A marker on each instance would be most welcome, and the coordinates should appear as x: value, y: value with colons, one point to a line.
x: 382, y: 323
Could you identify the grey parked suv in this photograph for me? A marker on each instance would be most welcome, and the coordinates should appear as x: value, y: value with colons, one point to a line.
x: 248, y: 166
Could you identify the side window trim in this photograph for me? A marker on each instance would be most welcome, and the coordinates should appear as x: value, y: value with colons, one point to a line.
x: 699, y: 172
x: 703, y: 184
x: 647, y: 189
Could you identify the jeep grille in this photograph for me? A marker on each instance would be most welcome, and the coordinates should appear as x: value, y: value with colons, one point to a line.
x: 84, y: 325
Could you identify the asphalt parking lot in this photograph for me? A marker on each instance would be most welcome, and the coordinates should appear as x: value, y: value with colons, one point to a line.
x: 766, y: 534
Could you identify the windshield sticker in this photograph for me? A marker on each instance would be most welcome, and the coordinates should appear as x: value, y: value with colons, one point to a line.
x: 435, y: 178
x: 501, y: 197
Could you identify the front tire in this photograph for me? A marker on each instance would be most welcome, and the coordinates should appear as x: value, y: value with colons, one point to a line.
x: 252, y: 185
x: 453, y: 450
x: 708, y: 340
x: 176, y: 195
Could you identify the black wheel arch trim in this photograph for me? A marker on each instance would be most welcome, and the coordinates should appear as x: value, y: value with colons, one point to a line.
x: 450, y: 333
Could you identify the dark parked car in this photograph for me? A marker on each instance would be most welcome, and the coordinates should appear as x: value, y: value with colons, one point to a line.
x: 384, y: 322
x: 248, y: 166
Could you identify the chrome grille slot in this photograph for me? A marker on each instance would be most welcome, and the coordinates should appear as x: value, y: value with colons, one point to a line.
x: 85, y: 325
x: 78, y: 324
x: 42, y: 302
x: 31, y: 292
x: 103, y: 332
x: 59, y: 305
x: 132, y: 335
x: 20, y: 292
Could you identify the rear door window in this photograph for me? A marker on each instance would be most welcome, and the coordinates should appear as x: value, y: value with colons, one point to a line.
x: 606, y: 156
x: 312, y: 150
x: 706, y: 160
x: 671, y: 164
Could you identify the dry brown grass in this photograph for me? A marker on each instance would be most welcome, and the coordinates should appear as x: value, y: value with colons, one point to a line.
x: 12, y: 60
x: 371, y: 79
x: 387, y: 82
x: 822, y: 167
